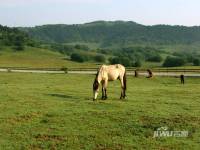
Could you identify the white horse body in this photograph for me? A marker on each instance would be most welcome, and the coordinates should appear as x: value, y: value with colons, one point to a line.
x: 109, y: 73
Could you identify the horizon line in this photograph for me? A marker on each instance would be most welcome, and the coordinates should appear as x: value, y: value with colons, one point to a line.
x: 89, y: 22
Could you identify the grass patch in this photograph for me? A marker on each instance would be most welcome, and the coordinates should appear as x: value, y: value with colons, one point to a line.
x: 37, y: 58
x: 44, y: 111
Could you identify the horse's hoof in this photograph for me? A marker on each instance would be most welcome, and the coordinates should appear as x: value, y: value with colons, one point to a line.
x: 123, y: 97
x: 103, y: 98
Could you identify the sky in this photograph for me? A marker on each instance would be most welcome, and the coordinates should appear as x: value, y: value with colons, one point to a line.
x: 147, y: 12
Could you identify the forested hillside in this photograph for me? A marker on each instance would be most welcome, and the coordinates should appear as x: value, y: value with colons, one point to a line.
x: 127, y: 43
x: 118, y: 32
x: 14, y: 37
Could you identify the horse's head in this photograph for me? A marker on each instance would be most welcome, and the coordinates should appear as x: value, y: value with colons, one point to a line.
x: 95, y: 88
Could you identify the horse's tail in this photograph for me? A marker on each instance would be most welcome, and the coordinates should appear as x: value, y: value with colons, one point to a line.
x: 124, y: 80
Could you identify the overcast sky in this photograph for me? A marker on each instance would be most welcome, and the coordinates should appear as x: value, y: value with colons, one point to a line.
x: 147, y: 12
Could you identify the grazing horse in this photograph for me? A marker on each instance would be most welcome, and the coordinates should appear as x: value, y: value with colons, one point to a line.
x: 109, y: 73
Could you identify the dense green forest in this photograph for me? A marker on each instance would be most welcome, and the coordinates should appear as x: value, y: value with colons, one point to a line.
x: 115, y: 33
x: 15, y: 38
x: 128, y: 43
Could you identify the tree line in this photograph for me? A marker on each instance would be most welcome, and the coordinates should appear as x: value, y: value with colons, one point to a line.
x: 15, y: 38
x: 121, y: 33
x: 132, y: 56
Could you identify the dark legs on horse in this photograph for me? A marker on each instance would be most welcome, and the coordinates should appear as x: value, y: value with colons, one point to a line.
x: 104, y: 94
x: 104, y: 91
x: 102, y: 97
x: 123, y: 90
x: 123, y: 93
x: 123, y: 86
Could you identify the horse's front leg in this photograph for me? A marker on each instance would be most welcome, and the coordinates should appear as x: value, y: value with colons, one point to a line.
x: 104, y: 90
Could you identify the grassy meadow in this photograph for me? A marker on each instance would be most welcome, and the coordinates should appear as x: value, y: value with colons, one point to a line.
x: 56, y: 111
x: 37, y: 58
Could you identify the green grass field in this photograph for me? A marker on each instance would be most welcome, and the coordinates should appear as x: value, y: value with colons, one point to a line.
x: 43, y: 58
x: 43, y: 111
x: 37, y: 58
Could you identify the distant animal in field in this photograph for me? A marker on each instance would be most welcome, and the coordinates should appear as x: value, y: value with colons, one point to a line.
x: 150, y: 74
x: 136, y: 73
x: 109, y: 73
x: 182, y: 77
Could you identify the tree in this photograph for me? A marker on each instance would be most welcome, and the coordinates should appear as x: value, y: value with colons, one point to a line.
x: 100, y: 58
x: 19, y: 47
x: 173, y: 62
x: 138, y: 63
x: 120, y: 60
x: 154, y: 58
x: 77, y: 57
x: 81, y: 47
x: 19, y: 43
x: 196, y: 62
x: 114, y: 60
x: 125, y: 61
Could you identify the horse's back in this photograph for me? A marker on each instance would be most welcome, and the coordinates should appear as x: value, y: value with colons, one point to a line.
x: 121, y: 67
x: 118, y: 67
x: 112, y: 72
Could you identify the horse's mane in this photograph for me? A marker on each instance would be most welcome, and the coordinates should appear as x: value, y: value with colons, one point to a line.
x: 97, y: 73
x: 95, y: 84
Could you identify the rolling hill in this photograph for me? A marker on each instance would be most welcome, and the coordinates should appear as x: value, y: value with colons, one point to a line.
x: 32, y: 57
x: 108, y: 33
x: 128, y: 43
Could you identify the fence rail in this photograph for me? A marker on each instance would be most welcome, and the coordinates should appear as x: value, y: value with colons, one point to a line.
x: 95, y: 69
x: 173, y: 72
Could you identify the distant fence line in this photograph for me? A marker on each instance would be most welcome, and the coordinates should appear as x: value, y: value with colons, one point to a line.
x: 129, y: 69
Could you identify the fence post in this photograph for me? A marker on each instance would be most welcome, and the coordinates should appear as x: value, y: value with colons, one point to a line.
x: 64, y: 69
x: 8, y: 70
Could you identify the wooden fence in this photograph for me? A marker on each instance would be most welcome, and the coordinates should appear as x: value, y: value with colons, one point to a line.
x: 95, y: 69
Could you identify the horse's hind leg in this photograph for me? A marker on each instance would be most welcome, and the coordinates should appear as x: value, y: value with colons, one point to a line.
x: 123, y: 93
x: 102, y: 93
x: 105, y: 93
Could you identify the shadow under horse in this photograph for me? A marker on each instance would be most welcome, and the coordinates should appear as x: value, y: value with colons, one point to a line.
x: 109, y: 73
